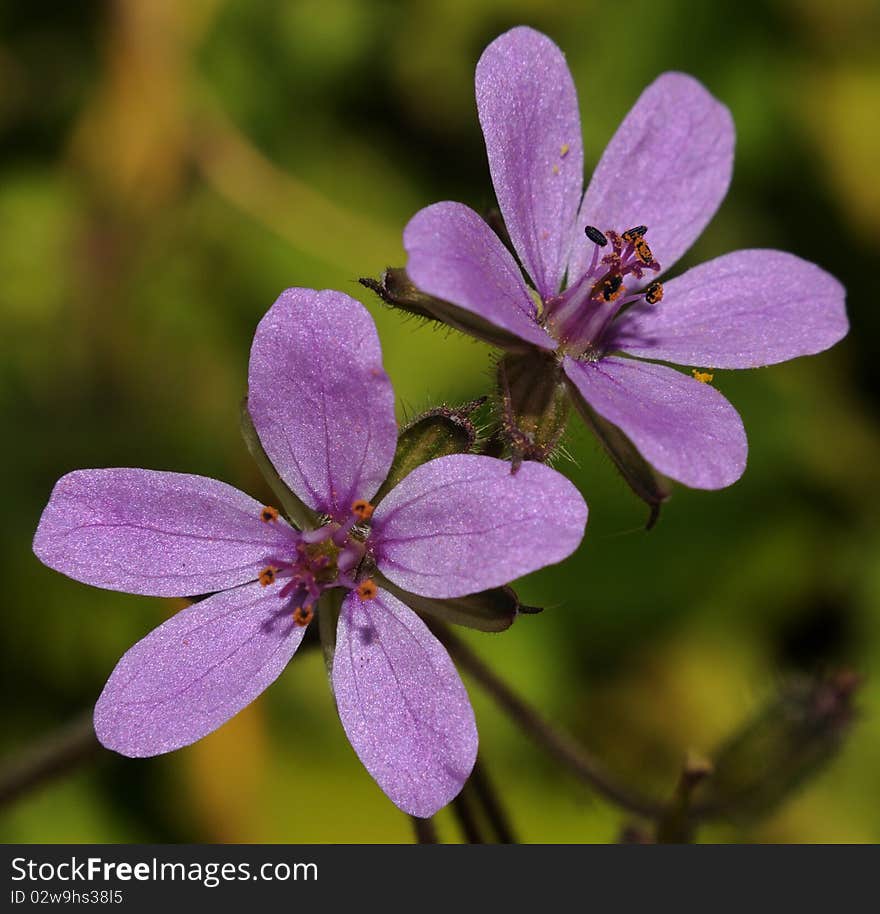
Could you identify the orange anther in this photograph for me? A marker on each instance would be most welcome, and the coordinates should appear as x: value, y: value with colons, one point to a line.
x: 367, y: 590
x: 302, y: 615
x: 362, y: 509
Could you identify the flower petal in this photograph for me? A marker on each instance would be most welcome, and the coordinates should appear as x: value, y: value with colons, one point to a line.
x: 684, y: 428
x: 455, y: 256
x: 195, y: 671
x: 528, y: 110
x: 159, y: 534
x: 464, y: 523
x: 668, y: 167
x: 402, y: 704
x: 743, y: 310
x: 320, y: 399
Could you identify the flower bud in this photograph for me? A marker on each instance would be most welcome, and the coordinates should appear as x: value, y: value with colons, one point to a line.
x: 438, y: 432
x: 489, y: 611
x: 792, y: 739
x: 397, y: 290
x: 533, y: 405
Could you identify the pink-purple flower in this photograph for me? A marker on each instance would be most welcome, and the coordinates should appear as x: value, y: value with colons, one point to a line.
x: 594, y: 261
x: 323, y: 408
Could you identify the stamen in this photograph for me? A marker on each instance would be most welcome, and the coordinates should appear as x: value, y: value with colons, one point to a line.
x: 654, y: 292
x: 704, y: 377
x: 608, y: 288
x: 367, y: 590
x: 595, y: 235
x: 643, y: 252
x: 362, y: 509
x: 302, y: 615
x: 630, y: 236
x: 563, y: 150
x: 268, y: 514
x: 268, y: 575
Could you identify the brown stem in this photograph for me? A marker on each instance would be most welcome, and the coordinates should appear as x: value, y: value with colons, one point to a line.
x: 54, y: 755
x: 558, y: 744
x: 425, y: 831
x: 496, y: 815
x: 464, y: 813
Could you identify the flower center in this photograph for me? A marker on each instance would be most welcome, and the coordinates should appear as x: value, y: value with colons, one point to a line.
x: 323, y: 558
x: 579, y: 317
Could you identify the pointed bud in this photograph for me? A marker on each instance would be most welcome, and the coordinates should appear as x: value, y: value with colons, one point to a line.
x: 792, y: 739
x: 489, y: 611
x: 297, y: 511
x: 440, y: 431
x: 533, y: 405
x: 639, y: 475
x: 397, y: 290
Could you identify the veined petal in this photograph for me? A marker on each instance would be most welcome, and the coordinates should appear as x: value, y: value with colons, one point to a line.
x: 668, y: 167
x: 455, y: 256
x: 402, y: 704
x: 320, y: 399
x: 684, y: 428
x: 153, y: 533
x: 195, y: 671
x: 528, y: 110
x: 742, y: 310
x: 464, y: 523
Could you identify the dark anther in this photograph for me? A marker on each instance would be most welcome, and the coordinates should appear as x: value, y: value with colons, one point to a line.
x: 630, y: 235
x: 643, y: 252
x: 611, y: 286
x: 654, y: 292
x: 595, y: 236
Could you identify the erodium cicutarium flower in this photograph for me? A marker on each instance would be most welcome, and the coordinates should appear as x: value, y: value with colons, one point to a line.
x: 597, y: 304
x: 323, y: 408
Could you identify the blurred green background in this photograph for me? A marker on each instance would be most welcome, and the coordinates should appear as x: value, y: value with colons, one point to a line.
x: 168, y: 168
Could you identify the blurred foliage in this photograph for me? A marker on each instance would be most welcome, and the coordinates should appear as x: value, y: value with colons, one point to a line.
x: 166, y: 169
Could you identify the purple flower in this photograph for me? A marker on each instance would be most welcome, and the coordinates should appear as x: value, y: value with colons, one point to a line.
x: 324, y: 411
x: 594, y: 262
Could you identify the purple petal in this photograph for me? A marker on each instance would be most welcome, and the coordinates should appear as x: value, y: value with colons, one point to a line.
x: 684, y: 428
x: 743, y: 310
x: 159, y: 534
x: 667, y: 167
x: 528, y: 110
x: 464, y: 523
x: 194, y: 672
x: 455, y: 256
x: 320, y: 399
x: 402, y: 704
